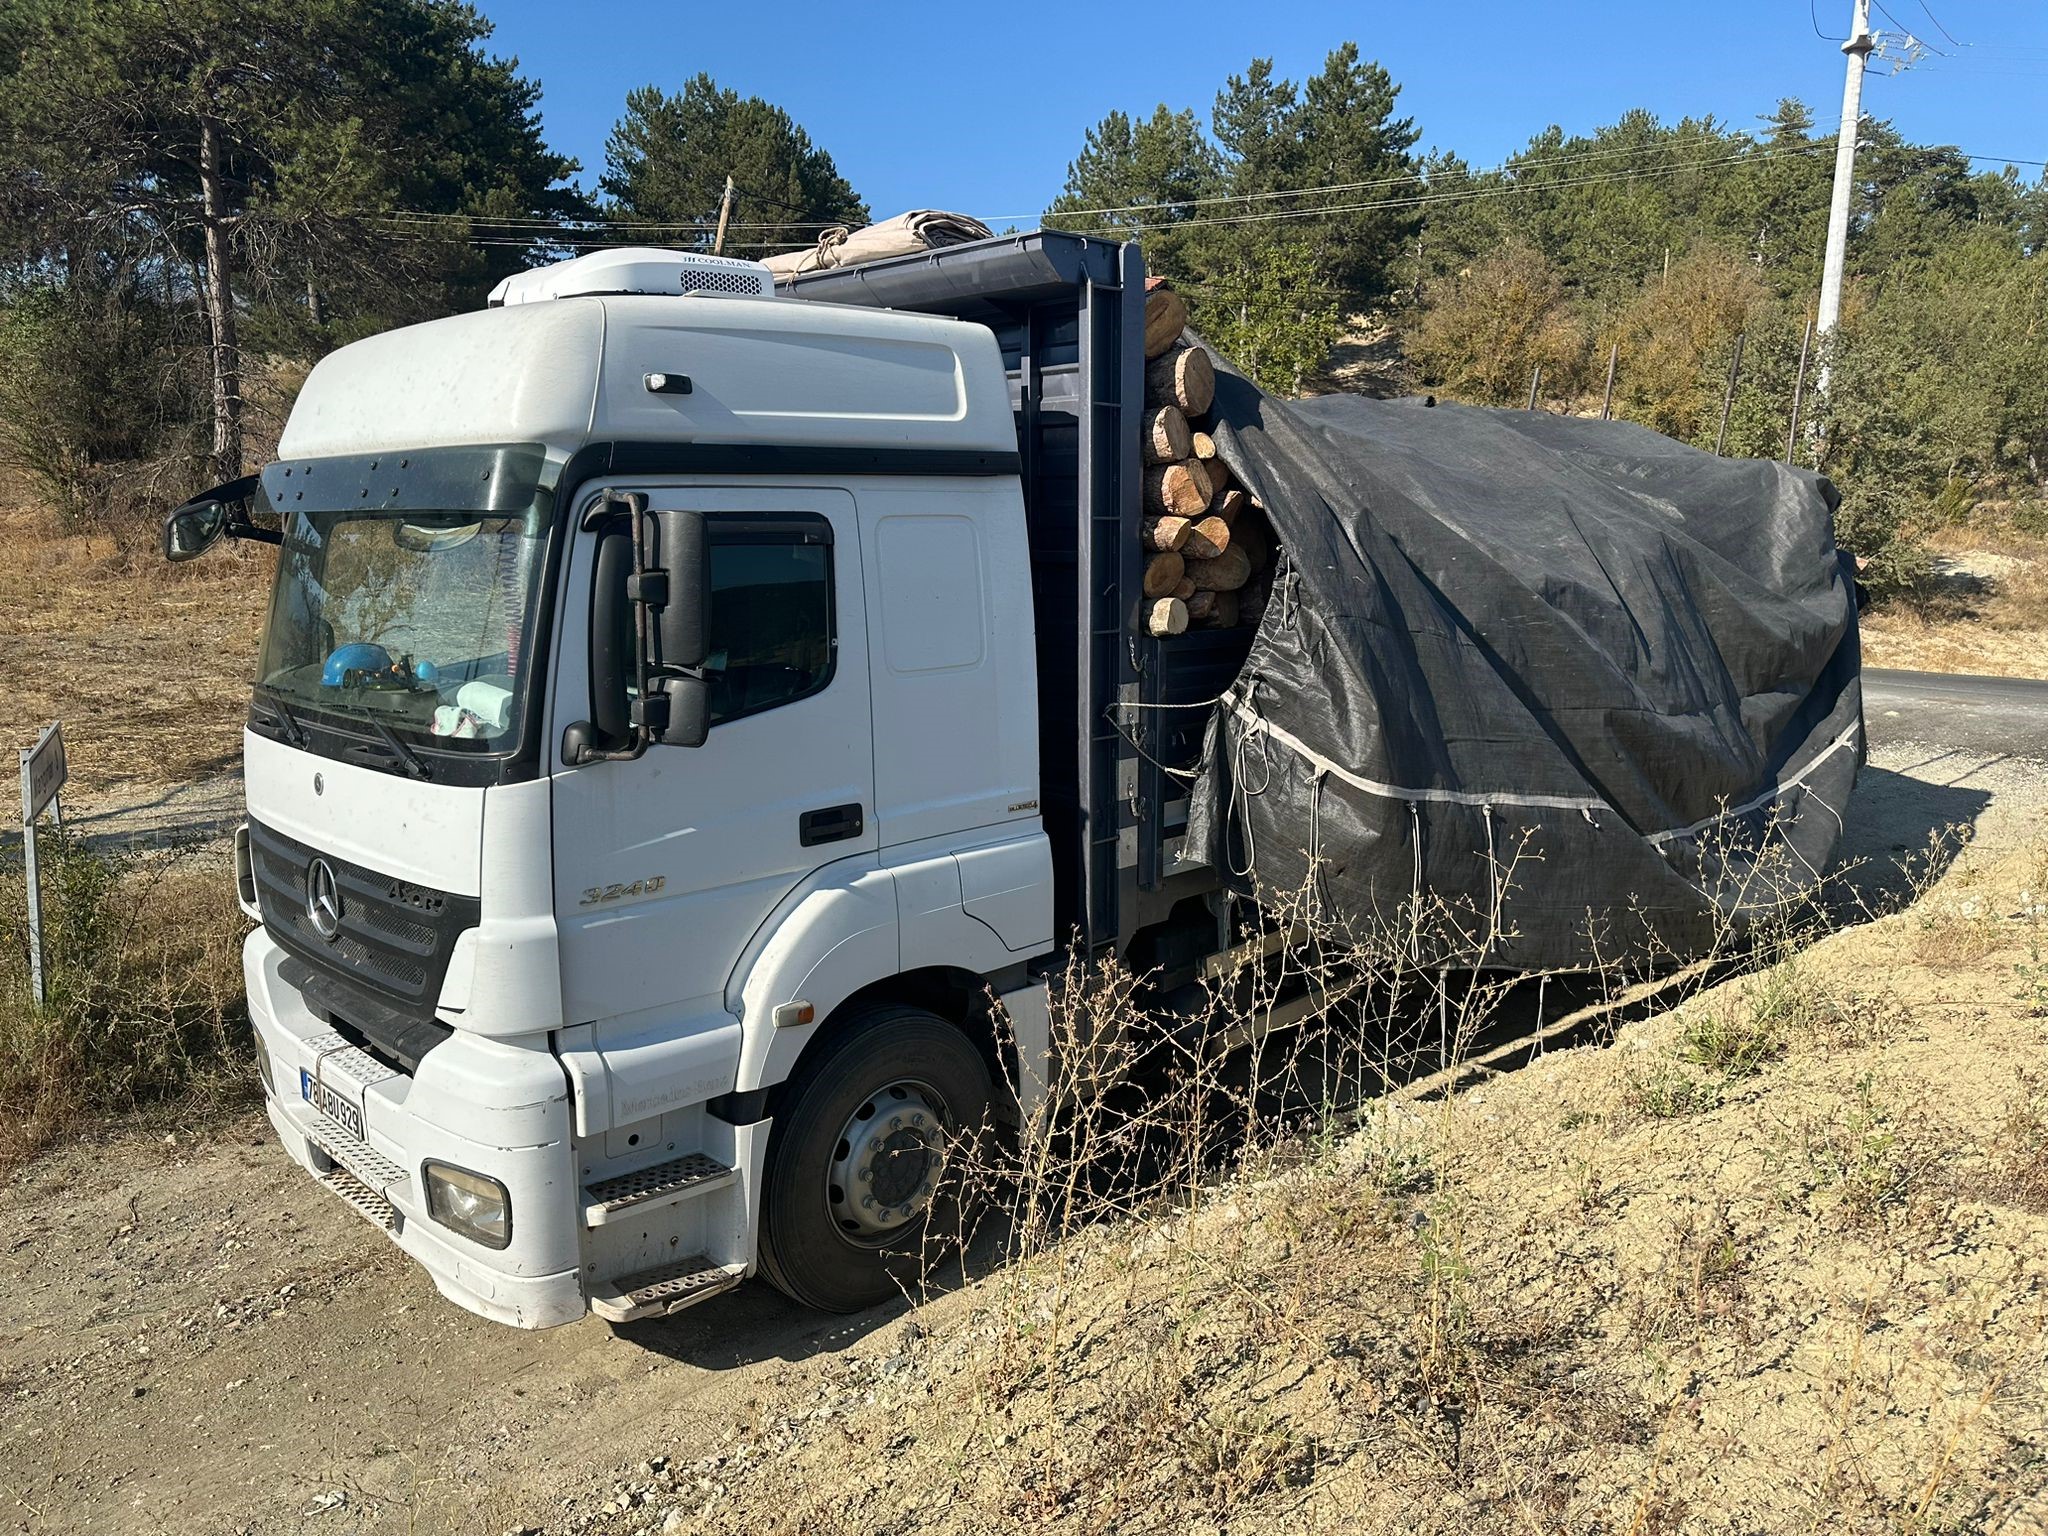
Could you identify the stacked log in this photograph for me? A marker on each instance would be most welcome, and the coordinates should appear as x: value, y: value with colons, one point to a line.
x: 1209, y: 548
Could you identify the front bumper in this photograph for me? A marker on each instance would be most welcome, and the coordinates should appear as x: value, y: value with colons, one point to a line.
x: 495, y: 1106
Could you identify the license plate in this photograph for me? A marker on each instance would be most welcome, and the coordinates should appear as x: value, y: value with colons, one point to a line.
x: 322, y: 1096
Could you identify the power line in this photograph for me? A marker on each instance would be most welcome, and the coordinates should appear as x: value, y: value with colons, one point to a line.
x: 1523, y: 162
x: 1944, y: 31
x: 1473, y: 193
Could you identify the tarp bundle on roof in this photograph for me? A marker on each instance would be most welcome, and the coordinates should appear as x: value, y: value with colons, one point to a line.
x: 1590, y: 688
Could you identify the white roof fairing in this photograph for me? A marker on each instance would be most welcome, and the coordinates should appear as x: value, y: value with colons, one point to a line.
x: 524, y: 375
x: 787, y: 372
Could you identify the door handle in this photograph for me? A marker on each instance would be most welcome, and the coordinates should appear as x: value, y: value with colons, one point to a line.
x: 833, y: 824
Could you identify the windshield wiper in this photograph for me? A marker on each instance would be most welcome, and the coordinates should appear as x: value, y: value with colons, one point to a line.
x: 287, y: 722
x: 415, y: 766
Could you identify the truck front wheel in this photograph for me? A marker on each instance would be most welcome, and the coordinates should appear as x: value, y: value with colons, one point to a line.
x: 863, y: 1171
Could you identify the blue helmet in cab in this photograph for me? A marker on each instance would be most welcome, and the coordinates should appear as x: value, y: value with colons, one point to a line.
x: 357, y: 656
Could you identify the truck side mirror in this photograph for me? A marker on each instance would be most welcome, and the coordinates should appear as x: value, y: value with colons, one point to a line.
x: 683, y: 618
x: 191, y: 530
x: 648, y: 620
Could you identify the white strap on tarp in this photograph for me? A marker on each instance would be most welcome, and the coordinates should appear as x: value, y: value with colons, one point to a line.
x: 1251, y: 720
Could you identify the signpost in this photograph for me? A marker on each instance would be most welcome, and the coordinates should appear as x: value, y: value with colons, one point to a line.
x: 43, y: 770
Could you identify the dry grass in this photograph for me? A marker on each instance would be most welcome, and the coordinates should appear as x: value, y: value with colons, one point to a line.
x: 1814, y: 1302
x: 1986, y: 610
x: 148, y: 665
x: 144, y: 1006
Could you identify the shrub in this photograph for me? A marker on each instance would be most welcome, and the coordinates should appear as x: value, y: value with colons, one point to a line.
x: 144, y: 1002
x: 1482, y: 336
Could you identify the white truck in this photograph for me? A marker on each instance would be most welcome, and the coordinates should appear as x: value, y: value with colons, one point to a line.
x: 687, y: 714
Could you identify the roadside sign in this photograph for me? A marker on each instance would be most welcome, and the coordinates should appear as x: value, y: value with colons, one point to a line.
x: 43, y: 771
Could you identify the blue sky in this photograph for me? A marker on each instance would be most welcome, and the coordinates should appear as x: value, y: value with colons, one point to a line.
x: 979, y: 107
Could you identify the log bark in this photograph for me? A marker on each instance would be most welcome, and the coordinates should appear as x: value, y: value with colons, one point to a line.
x: 1231, y: 506
x: 1163, y: 572
x: 1167, y: 439
x: 1164, y: 533
x: 1177, y: 490
x: 1166, y: 616
x: 1183, y: 376
x: 1213, y: 610
x: 1248, y: 536
x: 1166, y: 316
x: 1226, y: 573
x: 1207, y: 539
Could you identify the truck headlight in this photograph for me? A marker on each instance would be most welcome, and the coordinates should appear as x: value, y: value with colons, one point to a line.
x: 477, y: 1207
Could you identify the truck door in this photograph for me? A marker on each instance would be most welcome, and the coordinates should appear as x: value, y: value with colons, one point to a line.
x: 666, y: 866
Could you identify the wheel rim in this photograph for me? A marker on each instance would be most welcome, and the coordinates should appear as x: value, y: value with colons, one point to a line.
x: 886, y: 1164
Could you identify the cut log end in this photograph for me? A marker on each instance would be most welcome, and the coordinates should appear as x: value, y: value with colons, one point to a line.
x: 1208, y: 538
x: 1166, y: 316
x: 1165, y: 533
x: 1166, y: 616
x: 1177, y: 490
x: 1163, y: 573
x: 1167, y: 438
x: 1181, y: 376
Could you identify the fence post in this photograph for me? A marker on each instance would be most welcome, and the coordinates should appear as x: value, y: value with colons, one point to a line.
x: 1535, y: 379
x: 1728, y: 400
x: 1799, y: 389
x: 1607, y: 395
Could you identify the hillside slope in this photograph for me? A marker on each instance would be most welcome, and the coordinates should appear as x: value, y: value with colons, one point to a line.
x: 1775, y: 1261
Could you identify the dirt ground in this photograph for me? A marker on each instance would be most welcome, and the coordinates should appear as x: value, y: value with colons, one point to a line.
x: 193, y: 1339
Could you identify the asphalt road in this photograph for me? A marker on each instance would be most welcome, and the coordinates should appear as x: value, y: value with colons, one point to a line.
x: 2006, y: 715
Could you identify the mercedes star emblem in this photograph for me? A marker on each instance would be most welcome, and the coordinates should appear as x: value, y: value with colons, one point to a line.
x: 323, y: 899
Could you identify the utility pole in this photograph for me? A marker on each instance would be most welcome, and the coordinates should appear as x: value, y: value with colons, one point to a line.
x: 1858, y: 49
x: 724, y: 213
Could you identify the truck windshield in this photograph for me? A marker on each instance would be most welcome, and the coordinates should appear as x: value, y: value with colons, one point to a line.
x: 415, y: 621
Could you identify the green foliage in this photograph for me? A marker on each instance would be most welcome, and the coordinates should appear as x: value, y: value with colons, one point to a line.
x: 1263, y: 309
x: 84, y: 393
x: 669, y: 156
x: 1267, y: 285
x: 330, y: 117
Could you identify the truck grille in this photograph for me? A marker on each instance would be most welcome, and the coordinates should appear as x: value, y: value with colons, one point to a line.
x: 394, y: 937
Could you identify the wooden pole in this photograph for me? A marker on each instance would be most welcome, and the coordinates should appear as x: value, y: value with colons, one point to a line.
x: 1607, y: 395
x: 1535, y: 379
x: 724, y: 214
x: 1728, y: 400
x: 1799, y: 390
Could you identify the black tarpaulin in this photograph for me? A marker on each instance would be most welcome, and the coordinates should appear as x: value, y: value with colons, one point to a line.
x: 1593, y: 690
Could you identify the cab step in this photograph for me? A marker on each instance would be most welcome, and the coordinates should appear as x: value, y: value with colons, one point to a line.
x: 663, y: 1289
x: 664, y: 1184
x: 361, y: 1196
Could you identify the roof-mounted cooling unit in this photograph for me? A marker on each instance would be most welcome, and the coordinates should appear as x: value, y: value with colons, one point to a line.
x: 636, y: 270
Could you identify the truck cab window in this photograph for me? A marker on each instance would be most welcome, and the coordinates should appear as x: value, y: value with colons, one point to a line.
x: 771, y: 624
x: 772, y: 637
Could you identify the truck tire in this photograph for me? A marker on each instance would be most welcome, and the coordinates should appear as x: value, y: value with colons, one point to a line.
x: 859, y: 1194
